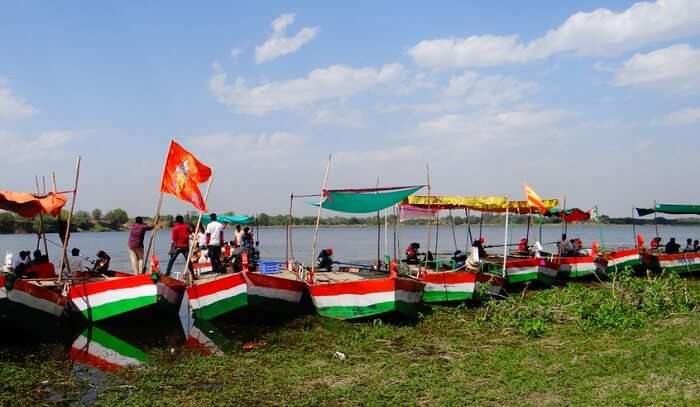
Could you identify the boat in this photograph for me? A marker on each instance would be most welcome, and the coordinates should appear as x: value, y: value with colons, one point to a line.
x: 99, y: 349
x: 656, y: 260
x: 353, y: 291
x: 619, y: 259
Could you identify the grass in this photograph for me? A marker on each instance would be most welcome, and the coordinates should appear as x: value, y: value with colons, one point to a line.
x: 578, y: 344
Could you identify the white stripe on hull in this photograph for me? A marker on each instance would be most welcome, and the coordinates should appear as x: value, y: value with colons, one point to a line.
x: 20, y: 297
x: 514, y: 271
x: 409, y: 296
x: 459, y: 287
x: 104, y: 353
x: 625, y: 259
x: 275, y: 293
x: 358, y: 300
x: 105, y: 297
x: 204, y: 301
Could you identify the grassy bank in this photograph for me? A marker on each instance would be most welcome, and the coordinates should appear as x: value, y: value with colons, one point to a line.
x: 582, y: 344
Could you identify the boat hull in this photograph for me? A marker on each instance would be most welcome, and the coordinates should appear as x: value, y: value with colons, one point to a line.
x: 170, y: 293
x: 577, y: 267
x: 619, y: 260
x: 365, y: 298
x: 99, y: 300
x: 672, y: 263
x: 448, y: 286
x: 37, y: 308
x: 273, y: 293
x: 210, y: 298
x: 531, y: 269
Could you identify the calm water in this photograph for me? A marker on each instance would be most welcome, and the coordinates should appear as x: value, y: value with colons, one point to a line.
x: 355, y: 245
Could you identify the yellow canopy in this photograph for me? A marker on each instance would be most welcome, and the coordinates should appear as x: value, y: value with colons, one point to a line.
x: 477, y: 203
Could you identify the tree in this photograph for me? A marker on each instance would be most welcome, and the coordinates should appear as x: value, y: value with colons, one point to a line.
x: 116, y: 218
x: 7, y: 222
x: 81, y: 219
x: 96, y: 214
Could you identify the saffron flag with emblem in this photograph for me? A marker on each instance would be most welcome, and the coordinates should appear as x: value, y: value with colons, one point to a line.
x: 534, y: 200
x: 183, y: 174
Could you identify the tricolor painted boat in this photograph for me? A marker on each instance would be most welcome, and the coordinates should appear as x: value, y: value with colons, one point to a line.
x: 280, y: 292
x: 350, y: 294
x: 101, y: 350
x: 672, y: 263
x: 170, y: 292
x: 214, y: 295
x: 98, y: 299
x: 35, y: 304
x: 4, y: 302
x: 447, y: 286
x: 618, y: 260
x: 199, y: 334
x: 523, y: 270
x: 577, y: 266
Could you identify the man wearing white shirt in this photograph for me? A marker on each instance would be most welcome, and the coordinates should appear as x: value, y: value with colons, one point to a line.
x: 215, y: 237
x: 75, y: 262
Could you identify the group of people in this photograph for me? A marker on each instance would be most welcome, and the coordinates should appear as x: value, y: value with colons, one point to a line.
x: 570, y: 247
x: 672, y: 247
x: 21, y: 265
x: 210, y: 244
x: 78, y: 265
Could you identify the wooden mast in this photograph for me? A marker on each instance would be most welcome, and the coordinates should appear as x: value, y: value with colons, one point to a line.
x: 318, y: 220
x: 156, y: 219
x: 196, y: 230
x: 64, y: 256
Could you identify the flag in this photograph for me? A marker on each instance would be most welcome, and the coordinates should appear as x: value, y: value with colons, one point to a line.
x: 183, y: 174
x: 534, y: 200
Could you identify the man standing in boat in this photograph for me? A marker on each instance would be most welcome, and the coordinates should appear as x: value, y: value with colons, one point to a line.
x: 215, y: 237
x: 136, y: 235
x: 180, y: 235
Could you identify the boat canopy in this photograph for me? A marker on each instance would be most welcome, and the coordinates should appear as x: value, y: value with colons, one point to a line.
x: 29, y: 205
x: 497, y: 204
x: 364, y: 200
x: 232, y: 219
x: 670, y: 209
x: 570, y: 215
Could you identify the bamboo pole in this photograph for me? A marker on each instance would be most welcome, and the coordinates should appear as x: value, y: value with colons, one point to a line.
x: 386, y: 233
x: 42, y: 231
x: 379, y: 231
x: 430, y: 201
x: 634, y: 231
x: 527, y: 233
x: 396, y: 226
x: 318, y: 220
x: 289, y: 231
x: 196, y: 230
x: 64, y: 257
x: 454, y: 234
x: 656, y: 225
x: 505, y: 240
x: 156, y: 219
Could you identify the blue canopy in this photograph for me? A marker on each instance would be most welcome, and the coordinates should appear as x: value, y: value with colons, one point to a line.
x: 233, y: 219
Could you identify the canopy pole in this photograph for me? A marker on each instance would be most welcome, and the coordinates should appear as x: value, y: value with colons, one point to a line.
x: 379, y: 233
x: 470, y: 239
x: 188, y: 281
x: 634, y: 231
x: 563, y: 217
x: 481, y: 222
x: 656, y: 225
x: 430, y: 202
x: 289, y: 230
x: 386, y: 233
x: 156, y: 219
x: 42, y: 231
x: 64, y: 257
x: 527, y: 230
x: 454, y: 234
x: 540, y: 218
x: 395, y: 207
x: 398, y: 231
x: 318, y: 221
x: 505, y: 239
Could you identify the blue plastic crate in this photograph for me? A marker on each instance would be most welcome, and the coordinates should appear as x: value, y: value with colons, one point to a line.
x: 270, y: 267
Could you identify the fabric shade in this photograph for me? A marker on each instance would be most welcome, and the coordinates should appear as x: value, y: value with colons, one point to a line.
x: 410, y: 212
x: 670, y: 209
x: 232, y: 219
x: 570, y: 215
x: 364, y: 200
x: 29, y: 205
x: 495, y: 204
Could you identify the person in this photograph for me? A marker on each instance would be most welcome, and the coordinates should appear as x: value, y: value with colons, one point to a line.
x: 522, y: 247
x: 672, y: 247
x: 180, y: 242
x: 238, y: 237
x: 688, y: 246
x: 247, y: 238
x: 200, y: 237
x: 19, y: 265
x: 411, y: 253
x: 479, y: 244
x: 325, y: 259
x: 76, y: 264
x: 578, y: 246
x: 102, y: 264
x: 215, y: 237
x: 696, y: 246
x: 655, y: 243
x: 565, y: 247
x: 136, y: 235
x: 459, y: 258
x: 39, y: 258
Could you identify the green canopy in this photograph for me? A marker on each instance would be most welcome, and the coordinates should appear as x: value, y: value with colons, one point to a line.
x: 233, y: 219
x: 670, y: 209
x: 364, y: 200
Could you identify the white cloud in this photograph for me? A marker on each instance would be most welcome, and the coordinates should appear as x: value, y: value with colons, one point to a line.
x: 342, y: 117
x: 48, y: 144
x: 601, y: 32
x: 682, y: 117
x: 332, y: 83
x: 279, y: 44
x: 675, y: 69
x: 488, y: 90
x: 264, y: 144
x: 12, y: 108
x: 236, y: 54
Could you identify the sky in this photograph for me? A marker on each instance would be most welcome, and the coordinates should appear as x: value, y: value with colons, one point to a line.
x: 595, y: 101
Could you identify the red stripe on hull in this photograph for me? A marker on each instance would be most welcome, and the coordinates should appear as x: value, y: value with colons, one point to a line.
x: 201, y: 288
x: 449, y: 277
x: 83, y: 356
x: 81, y: 290
x: 45, y: 293
x: 532, y: 262
x: 173, y: 284
x: 353, y: 287
x: 677, y: 256
x: 576, y: 260
x: 271, y: 281
x: 623, y: 253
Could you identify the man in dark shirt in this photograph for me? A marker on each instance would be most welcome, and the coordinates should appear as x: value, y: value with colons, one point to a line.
x: 180, y: 235
x: 136, y: 235
x: 672, y: 247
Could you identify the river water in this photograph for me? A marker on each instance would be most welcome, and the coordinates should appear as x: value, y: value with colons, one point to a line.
x: 356, y: 244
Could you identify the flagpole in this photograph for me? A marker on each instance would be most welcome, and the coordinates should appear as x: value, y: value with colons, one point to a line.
x: 318, y: 220
x: 505, y: 239
x: 430, y: 201
x: 64, y: 257
x: 196, y: 229
x: 42, y: 232
x: 156, y: 219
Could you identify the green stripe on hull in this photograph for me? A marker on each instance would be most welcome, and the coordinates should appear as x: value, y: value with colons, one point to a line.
x: 623, y: 265
x: 275, y: 305
x: 409, y: 309
x: 545, y: 279
x: 580, y: 274
x: 682, y: 269
x: 352, y: 312
x: 222, y: 307
x: 446, y: 296
x: 115, y: 308
x: 521, y: 278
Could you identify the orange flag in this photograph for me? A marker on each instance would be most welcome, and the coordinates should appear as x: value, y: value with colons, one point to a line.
x: 534, y: 200
x: 183, y: 174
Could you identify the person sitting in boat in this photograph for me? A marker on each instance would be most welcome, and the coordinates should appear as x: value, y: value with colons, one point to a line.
x: 523, y: 248
x: 247, y: 239
x: 102, y: 264
x: 76, y: 264
x: 325, y: 260
x: 578, y: 247
x: 20, y: 264
x: 412, y: 253
x: 655, y: 243
x: 696, y: 246
x: 459, y: 258
x: 479, y: 244
x: 39, y: 258
x: 688, y: 246
x: 672, y: 247
x: 565, y: 247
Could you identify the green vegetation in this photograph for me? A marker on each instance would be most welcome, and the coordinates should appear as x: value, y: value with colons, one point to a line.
x: 627, y: 342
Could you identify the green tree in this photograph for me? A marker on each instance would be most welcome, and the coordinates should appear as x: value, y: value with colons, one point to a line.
x: 7, y: 222
x: 81, y: 219
x: 116, y: 218
x: 97, y: 214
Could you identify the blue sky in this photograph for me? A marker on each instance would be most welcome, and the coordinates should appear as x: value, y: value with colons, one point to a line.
x: 595, y: 100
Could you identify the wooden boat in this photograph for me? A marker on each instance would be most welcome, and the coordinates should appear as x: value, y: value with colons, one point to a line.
x: 525, y: 269
x: 577, y: 266
x: 458, y: 285
x: 99, y: 349
x: 201, y: 335
x: 213, y: 294
x: 618, y: 260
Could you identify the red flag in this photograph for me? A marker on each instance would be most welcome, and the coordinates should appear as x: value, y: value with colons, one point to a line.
x: 183, y: 174
x: 534, y: 200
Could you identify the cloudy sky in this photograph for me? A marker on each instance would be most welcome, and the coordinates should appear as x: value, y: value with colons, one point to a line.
x: 595, y: 100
